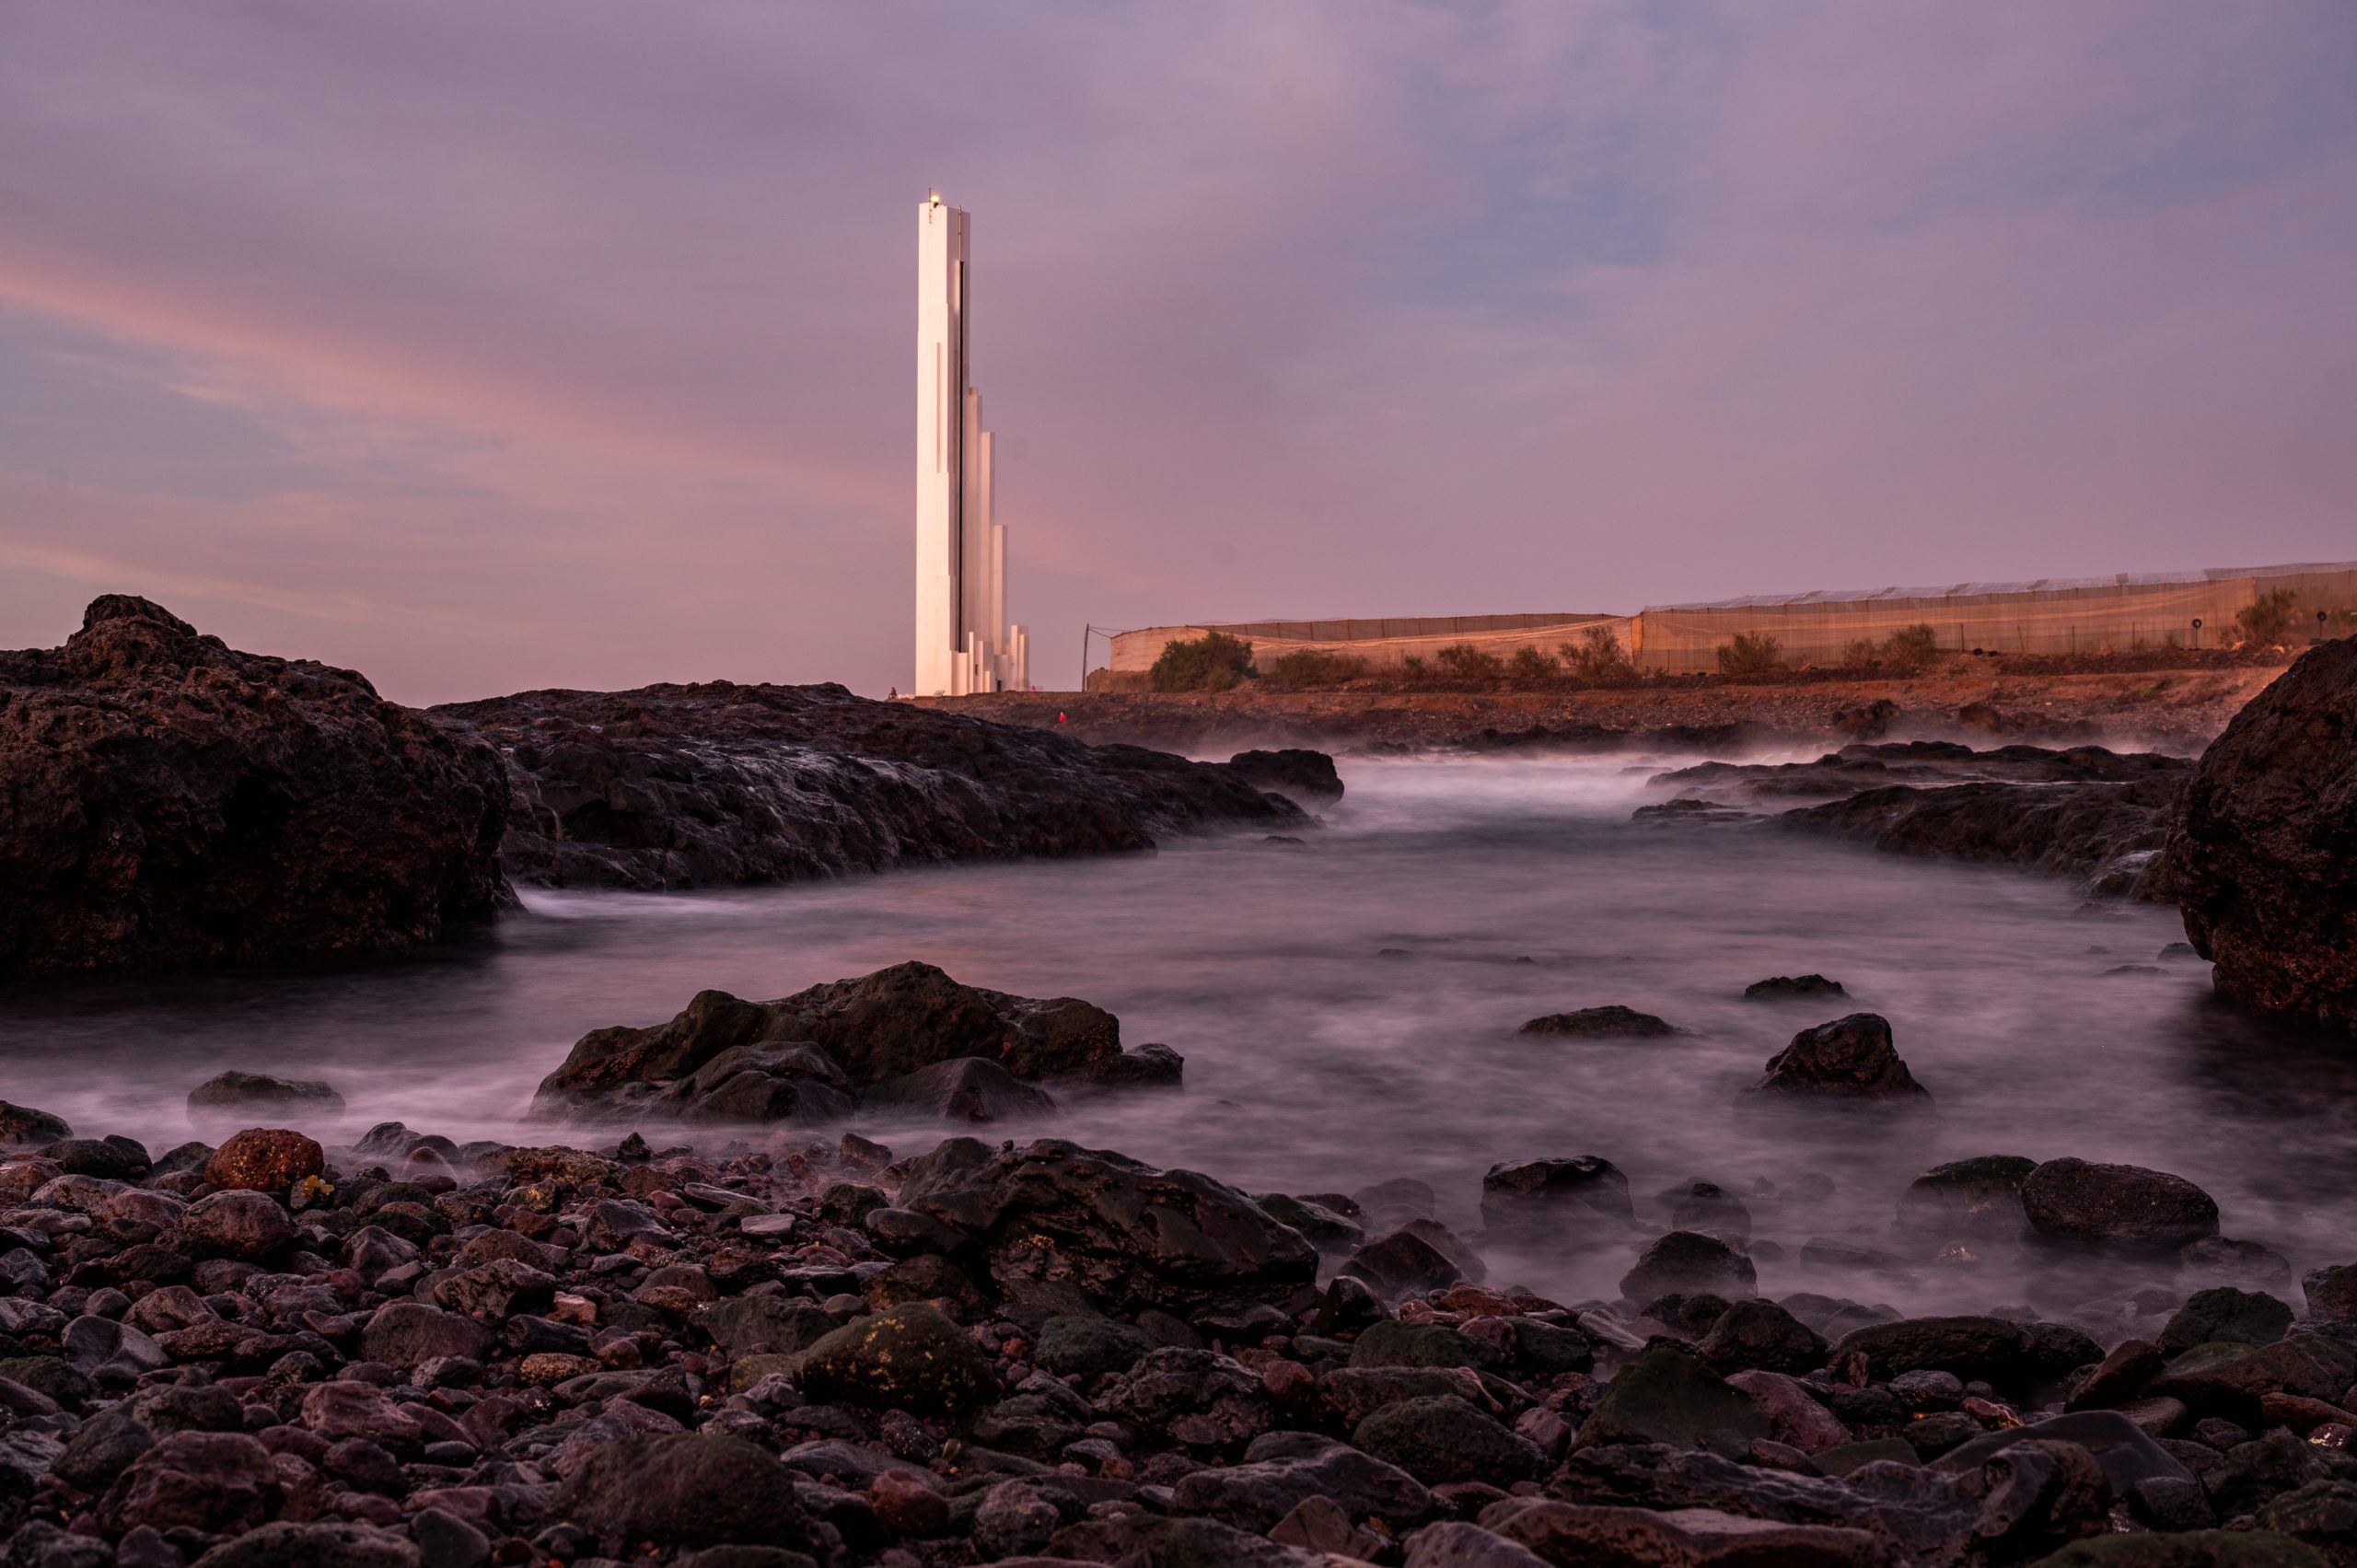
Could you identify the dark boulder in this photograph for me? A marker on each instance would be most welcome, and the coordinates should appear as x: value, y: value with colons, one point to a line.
x: 234, y: 1091
x: 2072, y: 1200
x: 1849, y: 1059
x: 2234, y: 1381
x: 1124, y: 1231
x: 1402, y: 1265
x: 2127, y: 1456
x: 1668, y: 1395
x: 1612, y: 1022
x: 2259, y: 858
x: 1283, y: 1468
x: 970, y: 1088
x: 1586, y: 1534
x: 323, y: 1544
x: 1443, y: 1439
x: 210, y: 1481
x: 1977, y: 1197
x: 1294, y: 771
x: 851, y: 1034
x: 1083, y: 1348
x: 2331, y: 1294
x: 671, y: 786
x: 2191, y: 1548
x: 1200, y: 1399
x: 1759, y: 1335
x: 1685, y: 1263
x: 166, y: 802
x: 21, y: 1125
x: 1328, y: 1227
x: 249, y: 1226
x: 409, y: 1333
x: 680, y: 1488
x: 1395, y: 1343
x: 1559, y: 1197
x: 1776, y: 987
x: 2105, y: 829
x: 2237, y: 1316
x: 910, y: 1358
x: 1989, y: 1348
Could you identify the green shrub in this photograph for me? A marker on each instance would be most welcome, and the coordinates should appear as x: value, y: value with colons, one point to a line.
x: 1599, y: 659
x: 1531, y: 665
x: 1313, y: 666
x: 1412, y: 666
x: 1213, y: 662
x: 1466, y: 662
x: 1864, y: 653
x: 1752, y: 653
x: 2266, y: 620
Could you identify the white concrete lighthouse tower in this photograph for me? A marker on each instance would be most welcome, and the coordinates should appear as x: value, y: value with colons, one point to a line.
x: 964, y: 642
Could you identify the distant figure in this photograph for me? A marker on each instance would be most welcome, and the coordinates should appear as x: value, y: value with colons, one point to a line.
x: 890, y: 692
x: 1060, y: 718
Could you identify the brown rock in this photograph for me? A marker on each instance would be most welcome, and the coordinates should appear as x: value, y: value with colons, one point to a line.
x: 264, y: 1159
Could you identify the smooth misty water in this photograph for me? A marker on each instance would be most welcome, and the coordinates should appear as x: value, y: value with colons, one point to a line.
x: 1314, y: 1063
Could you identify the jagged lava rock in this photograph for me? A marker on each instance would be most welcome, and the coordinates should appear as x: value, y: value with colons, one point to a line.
x: 669, y: 786
x: 1294, y: 771
x: 168, y: 802
x: 1849, y: 1059
x: 761, y: 1059
x: 2262, y: 858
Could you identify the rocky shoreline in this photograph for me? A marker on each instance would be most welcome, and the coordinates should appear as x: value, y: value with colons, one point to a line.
x: 408, y: 1354
x: 721, y: 783
x: 169, y: 804
x: 2088, y: 813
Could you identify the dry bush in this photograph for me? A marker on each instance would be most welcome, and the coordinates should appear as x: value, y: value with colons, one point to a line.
x: 1599, y: 659
x: 1532, y: 665
x: 1466, y: 662
x: 1313, y: 666
x: 1752, y: 653
x: 2266, y: 620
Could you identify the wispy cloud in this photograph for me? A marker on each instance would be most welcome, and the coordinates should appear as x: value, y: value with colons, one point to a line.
x: 569, y: 341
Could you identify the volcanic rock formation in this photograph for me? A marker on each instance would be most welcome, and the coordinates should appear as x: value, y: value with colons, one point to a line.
x: 168, y: 802
x: 671, y: 786
x: 2263, y: 859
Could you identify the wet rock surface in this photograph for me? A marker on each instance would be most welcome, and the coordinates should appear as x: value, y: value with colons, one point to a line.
x: 1299, y: 774
x: 1850, y: 1059
x: 2083, y: 812
x: 813, y: 1352
x: 2261, y: 857
x: 675, y: 786
x: 168, y: 802
x: 1612, y: 1022
x: 909, y: 1036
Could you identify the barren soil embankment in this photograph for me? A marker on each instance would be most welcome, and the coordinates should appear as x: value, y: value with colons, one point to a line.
x: 2171, y: 710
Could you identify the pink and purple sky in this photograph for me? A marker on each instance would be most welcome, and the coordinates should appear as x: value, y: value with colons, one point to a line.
x: 569, y: 341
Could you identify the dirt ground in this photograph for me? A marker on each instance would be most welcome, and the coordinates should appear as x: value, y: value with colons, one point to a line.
x: 2169, y: 710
